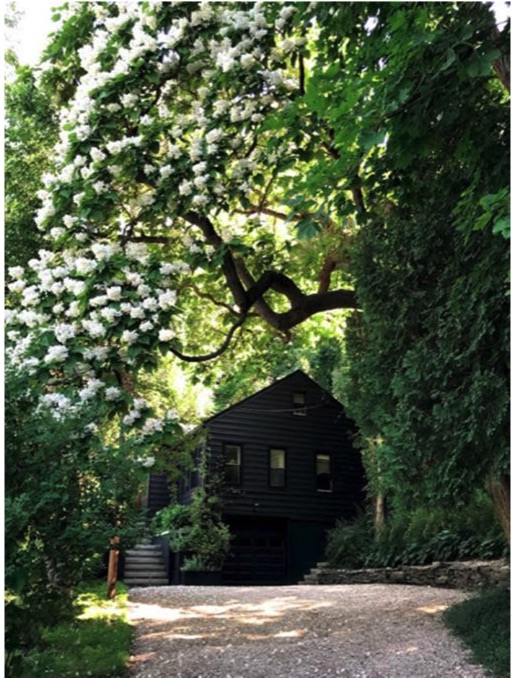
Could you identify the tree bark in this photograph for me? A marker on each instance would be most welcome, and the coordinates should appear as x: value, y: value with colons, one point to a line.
x: 248, y: 293
x: 500, y: 491
x: 379, y: 514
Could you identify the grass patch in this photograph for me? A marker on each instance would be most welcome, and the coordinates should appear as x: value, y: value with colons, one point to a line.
x: 483, y: 624
x: 96, y: 643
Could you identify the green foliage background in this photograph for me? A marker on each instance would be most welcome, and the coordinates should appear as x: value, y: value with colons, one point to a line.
x: 396, y: 168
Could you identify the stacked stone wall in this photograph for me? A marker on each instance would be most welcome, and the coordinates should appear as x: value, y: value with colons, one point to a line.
x: 467, y: 575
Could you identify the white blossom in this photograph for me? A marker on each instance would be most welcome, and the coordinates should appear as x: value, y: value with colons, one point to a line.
x: 17, y: 286
x: 75, y: 286
x: 152, y: 425
x: 57, y: 353
x: 55, y: 400
x: 84, y: 265
x: 94, y: 328
x: 30, y: 296
x: 74, y: 310
x: 150, y: 304
x: 131, y: 417
x: 97, y: 155
x: 100, y: 187
x: 16, y: 272
x: 110, y: 314
x: 97, y: 353
x: 165, y: 335
x: 90, y: 390
x: 104, y: 251
x: 112, y: 393
x: 185, y: 188
x: 167, y: 299
x: 64, y: 332
x: 148, y: 461
x: 129, y: 336
x: 100, y: 300
x: 114, y: 293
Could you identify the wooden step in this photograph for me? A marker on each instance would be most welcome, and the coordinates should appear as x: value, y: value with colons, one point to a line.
x: 144, y: 567
x: 150, y: 582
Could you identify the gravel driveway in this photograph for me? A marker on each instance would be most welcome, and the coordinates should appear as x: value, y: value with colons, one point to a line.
x: 295, y: 631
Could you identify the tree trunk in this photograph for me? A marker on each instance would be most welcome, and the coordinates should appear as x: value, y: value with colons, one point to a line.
x: 500, y: 491
x: 379, y: 514
x: 112, y: 570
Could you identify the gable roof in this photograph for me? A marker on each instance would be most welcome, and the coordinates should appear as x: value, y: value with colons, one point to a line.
x: 326, y: 396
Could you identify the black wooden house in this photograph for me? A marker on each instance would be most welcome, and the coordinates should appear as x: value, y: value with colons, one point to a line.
x: 290, y: 470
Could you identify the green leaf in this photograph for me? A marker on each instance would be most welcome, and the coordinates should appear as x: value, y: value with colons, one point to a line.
x: 306, y: 228
x: 479, y: 64
x: 450, y: 59
x: 502, y: 226
x: 371, y: 138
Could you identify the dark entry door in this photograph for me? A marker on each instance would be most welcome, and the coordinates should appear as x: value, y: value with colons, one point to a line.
x: 258, y: 554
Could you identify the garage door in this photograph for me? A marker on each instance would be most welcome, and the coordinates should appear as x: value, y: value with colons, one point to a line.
x: 258, y: 553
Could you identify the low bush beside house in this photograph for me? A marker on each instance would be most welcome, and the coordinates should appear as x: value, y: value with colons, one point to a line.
x: 419, y: 536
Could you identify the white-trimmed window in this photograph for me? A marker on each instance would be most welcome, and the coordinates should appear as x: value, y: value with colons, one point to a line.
x: 299, y: 403
x: 232, y: 457
x: 323, y: 473
x: 277, y: 468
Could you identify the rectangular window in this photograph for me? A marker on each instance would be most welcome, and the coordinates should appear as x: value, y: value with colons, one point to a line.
x: 277, y: 467
x: 232, y: 455
x: 299, y: 404
x: 323, y: 473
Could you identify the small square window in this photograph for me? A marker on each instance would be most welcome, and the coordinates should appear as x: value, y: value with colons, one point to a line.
x: 299, y: 404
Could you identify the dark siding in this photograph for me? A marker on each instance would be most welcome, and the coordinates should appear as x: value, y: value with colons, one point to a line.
x: 158, y: 493
x: 266, y: 420
x: 280, y: 533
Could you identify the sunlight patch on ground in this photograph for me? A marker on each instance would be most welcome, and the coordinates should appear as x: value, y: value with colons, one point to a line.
x: 408, y: 650
x: 248, y: 614
x: 292, y: 633
x: 232, y: 618
x: 432, y: 609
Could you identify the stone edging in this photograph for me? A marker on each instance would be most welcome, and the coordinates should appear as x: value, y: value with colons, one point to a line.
x: 467, y: 575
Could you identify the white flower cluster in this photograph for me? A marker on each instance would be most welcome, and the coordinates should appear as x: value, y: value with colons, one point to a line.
x: 129, y: 306
x: 219, y: 71
x: 204, y: 133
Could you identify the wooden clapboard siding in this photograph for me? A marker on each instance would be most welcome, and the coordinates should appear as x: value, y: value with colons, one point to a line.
x: 266, y: 420
x: 158, y: 493
x: 280, y: 533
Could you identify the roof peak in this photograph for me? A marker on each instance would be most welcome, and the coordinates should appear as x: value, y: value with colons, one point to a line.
x: 271, y: 386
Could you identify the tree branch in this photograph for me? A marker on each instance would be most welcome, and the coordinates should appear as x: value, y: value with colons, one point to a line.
x: 212, y: 354
x: 301, y: 74
x: 249, y: 293
x: 302, y: 306
x: 228, y: 265
x: 325, y: 274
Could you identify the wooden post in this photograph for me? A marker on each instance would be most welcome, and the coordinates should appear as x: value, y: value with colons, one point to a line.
x: 112, y: 569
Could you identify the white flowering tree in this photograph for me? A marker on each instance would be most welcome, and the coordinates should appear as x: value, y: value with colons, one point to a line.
x: 174, y: 187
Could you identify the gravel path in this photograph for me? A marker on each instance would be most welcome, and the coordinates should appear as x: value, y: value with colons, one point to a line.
x: 295, y: 631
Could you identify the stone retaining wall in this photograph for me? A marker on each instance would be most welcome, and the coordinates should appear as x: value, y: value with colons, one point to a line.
x: 467, y: 575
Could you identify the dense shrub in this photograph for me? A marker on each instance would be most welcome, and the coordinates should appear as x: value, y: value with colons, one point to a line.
x: 350, y: 543
x: 93, y: 640
x: 420, y: 536
x: 66, y: 494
